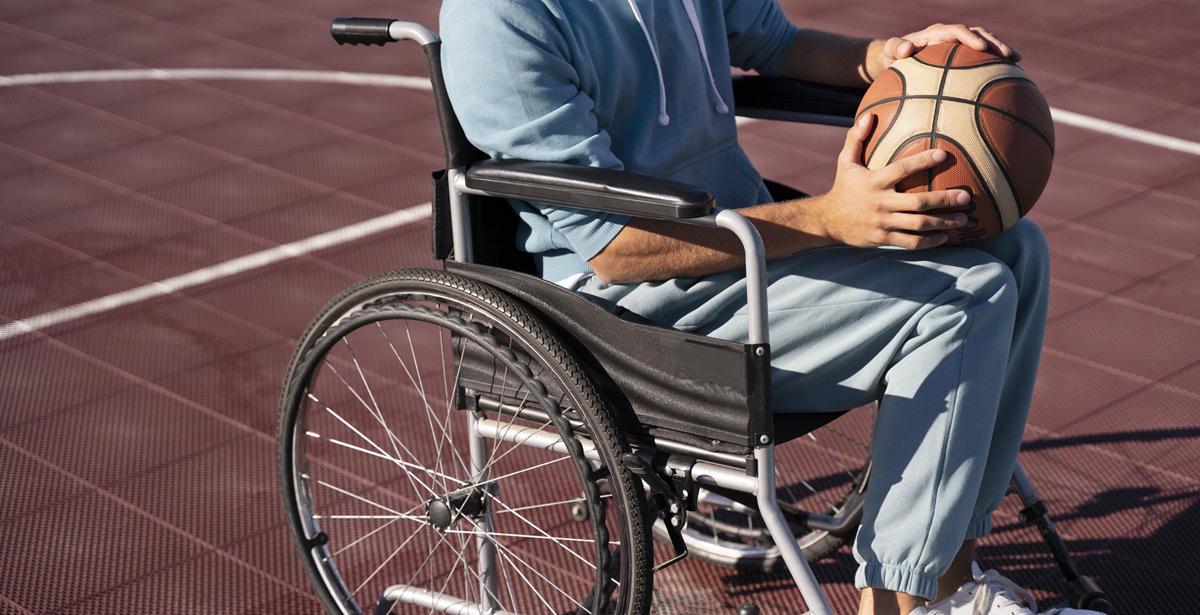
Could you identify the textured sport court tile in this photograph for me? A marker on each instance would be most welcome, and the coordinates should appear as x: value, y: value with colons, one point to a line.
x: 65, y: 541
x: 1103, y: 260
x: 209, y: 245
x: 134, y: 432
x: 235, y: 191
x: 164, y: 337
x: 202, y: 356
x: 39, y: 293
x: 112, y: 224
x: 283, y: 299
x: 1137, y: 341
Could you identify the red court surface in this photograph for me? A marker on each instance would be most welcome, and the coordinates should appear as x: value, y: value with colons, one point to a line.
x: 137, y: 443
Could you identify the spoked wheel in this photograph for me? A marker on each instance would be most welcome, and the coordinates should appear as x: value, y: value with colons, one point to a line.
x: 824, y: 472
x: 437, y: 446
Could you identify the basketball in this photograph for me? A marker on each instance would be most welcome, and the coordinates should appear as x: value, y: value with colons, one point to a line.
x: 988, y: 116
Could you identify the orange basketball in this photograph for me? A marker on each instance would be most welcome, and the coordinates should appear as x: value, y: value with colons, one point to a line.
x: 985, y: 112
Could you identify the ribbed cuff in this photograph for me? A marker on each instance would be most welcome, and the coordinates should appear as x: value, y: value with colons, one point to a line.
x: 897, y: 579
x: 979, y: 527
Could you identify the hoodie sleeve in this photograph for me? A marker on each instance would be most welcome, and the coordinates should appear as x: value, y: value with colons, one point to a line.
x: 759, y: 34
x: 509, y: 76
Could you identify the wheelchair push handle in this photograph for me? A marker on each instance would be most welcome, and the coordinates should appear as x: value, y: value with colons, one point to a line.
x: 378, y: 31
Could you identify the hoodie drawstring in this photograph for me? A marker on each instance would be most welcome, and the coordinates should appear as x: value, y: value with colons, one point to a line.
x: 663, y: 118
x: 690, y: 8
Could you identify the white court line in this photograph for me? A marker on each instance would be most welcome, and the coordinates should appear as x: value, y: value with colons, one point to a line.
x: 362, y: 229
x: 1062, y: 116
x: 1087, y: 122
x: 218, y: 74
x: 226, y: 269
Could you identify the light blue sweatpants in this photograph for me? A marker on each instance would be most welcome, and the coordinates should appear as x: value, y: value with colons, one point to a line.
x: 947, y: 339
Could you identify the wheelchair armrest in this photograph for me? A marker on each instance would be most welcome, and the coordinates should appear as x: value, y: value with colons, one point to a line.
x: 573, y: 185
x: 790, y: 100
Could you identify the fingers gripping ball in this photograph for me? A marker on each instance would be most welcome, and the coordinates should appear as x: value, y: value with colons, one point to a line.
x: 988, y: 116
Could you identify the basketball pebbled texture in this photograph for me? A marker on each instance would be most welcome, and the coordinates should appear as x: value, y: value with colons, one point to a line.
x: 985, y: 112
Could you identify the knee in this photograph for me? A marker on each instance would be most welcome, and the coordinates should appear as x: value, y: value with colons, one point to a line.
x: 1026, y: 252
x: 991, y: 282
x: 1030, y: 239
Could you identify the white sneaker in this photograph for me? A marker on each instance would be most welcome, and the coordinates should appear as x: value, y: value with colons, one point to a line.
x: 990, y: 593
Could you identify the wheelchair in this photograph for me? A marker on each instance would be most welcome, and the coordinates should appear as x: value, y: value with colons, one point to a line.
x: 477, y: 440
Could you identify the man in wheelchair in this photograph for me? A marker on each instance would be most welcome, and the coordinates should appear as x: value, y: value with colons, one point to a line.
x: 864, y: 304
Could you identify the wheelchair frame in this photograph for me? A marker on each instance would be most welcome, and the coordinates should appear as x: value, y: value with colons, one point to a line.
x: 469, y: 175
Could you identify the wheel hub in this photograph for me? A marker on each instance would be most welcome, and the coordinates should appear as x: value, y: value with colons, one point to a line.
x: 443, y: 512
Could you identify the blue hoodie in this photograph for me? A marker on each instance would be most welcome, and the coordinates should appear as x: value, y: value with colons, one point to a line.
x: 640, y: 85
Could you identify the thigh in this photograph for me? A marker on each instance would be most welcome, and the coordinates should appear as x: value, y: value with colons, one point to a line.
x: 838, y: 315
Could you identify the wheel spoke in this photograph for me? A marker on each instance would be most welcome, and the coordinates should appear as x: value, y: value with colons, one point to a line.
x: 545, y: 535
x: 466, y: 567
x: 512, y: 556
x: 392, y: 517
x: 500, y: 552
x: 532, y: 537
x: 378, y: 413
x: 415, y: 381
x: 387, y: 561
x: 513, y: 446
x: 529, y: 469
x: 444, y: 424
x: 419, y: 385
x: 546, y: 505
x: 404, y: 465
x: 369, y: 534
x: 357, y: 497
x: 429, y: 407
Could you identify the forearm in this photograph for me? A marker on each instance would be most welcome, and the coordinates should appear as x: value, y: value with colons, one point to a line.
x: 649, y: 250
x: 832, y: 59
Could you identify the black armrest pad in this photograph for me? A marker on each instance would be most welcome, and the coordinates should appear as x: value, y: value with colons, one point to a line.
x: 776, y: 98
x: 574, y: 185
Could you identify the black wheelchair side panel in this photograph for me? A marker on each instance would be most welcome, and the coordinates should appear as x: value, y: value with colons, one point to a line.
x: 663, y: 383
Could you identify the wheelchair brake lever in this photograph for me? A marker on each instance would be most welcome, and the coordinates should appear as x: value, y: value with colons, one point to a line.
x: 671, y: 508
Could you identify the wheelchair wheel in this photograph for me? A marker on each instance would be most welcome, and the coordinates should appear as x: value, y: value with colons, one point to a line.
x: 834, y: 478
x: 394, y: 502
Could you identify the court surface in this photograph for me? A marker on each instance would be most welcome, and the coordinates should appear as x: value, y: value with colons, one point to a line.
x: 136, y: 434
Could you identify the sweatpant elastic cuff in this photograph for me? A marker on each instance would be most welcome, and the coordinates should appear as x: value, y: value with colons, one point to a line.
x: 897, y: 579
x: 979, y: 527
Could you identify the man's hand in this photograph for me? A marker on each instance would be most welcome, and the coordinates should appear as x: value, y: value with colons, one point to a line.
x: 883, y: 52
x: 864, y: 210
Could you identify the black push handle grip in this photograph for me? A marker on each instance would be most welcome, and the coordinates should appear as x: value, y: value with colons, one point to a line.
x: 362, y: 30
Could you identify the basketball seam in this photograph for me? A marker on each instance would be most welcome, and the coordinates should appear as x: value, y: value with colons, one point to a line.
x: 900, y: 146
x: 937, y: 107
x: 974, y: 169
x: 895, y: 117
x: 1009, y: 115
x: 979, y: 176
x: 983, y: 136
x: 992, y: 63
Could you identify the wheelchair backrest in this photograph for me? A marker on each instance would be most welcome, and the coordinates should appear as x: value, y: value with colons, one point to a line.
x: 493, y: 222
